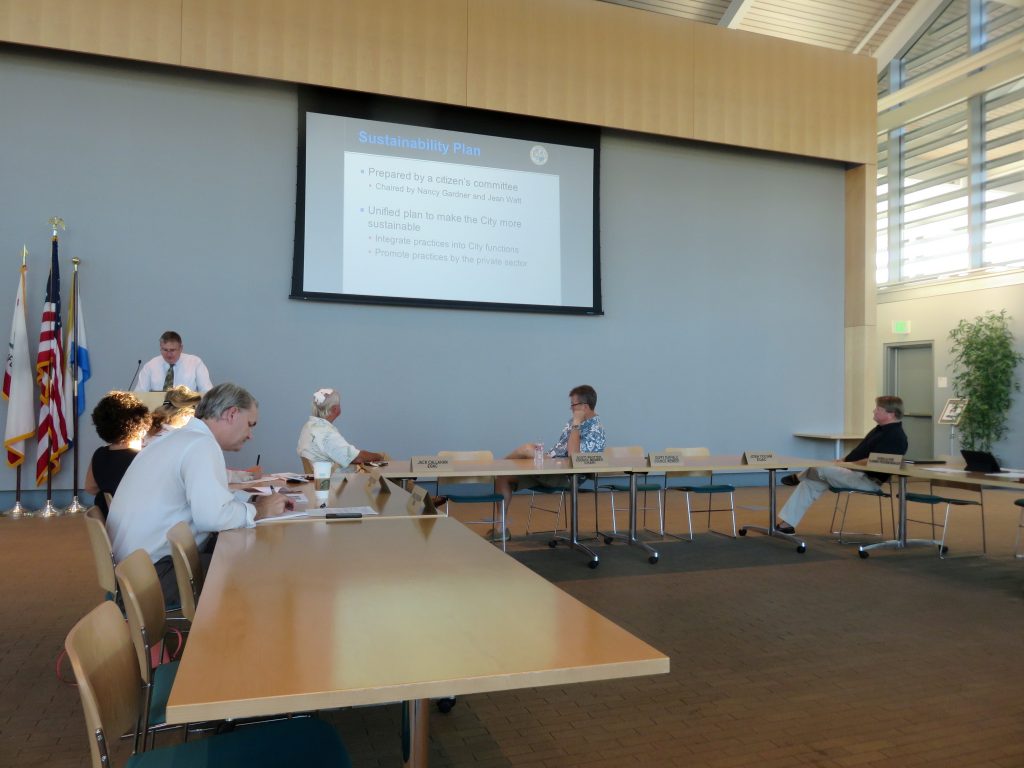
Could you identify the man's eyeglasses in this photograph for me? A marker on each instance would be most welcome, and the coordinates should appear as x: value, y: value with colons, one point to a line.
x: 573, y: 405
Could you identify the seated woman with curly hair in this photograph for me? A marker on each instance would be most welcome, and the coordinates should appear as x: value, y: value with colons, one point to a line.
x: 121, y: 420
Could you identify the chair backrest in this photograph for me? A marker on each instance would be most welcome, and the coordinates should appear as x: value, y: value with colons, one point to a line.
x: 102, y: 551
x: 471, y: 456
x: 307, y: 465
x: 143, y: 605
x: 100, y: 649
x: 188, y: 571
x: 624, y: 452
x: 689, y: 452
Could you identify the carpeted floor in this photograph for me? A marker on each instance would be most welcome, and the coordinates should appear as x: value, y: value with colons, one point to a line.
x: 778, y: 658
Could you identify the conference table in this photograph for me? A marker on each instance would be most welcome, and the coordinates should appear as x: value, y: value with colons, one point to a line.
x: 946, y: 473
x: 622, y: 466
x: 313, y: 614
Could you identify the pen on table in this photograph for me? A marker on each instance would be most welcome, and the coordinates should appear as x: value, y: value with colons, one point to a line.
x: 344, y: 515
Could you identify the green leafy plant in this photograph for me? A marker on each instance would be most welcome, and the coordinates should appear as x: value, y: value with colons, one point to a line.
x: 984, y: 363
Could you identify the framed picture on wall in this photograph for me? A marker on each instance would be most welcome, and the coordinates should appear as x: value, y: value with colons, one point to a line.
x: 953, y: 410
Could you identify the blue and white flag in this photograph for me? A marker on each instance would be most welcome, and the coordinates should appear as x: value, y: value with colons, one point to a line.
x: 77, y: 350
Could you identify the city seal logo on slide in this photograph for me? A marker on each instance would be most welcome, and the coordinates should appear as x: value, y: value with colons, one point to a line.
x: 538, y: 154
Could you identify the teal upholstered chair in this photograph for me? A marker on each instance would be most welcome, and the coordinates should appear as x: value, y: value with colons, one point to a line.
x: 932, y: 499
x: 843, y: 496
x: 707, y: 490
x: 107, y: 671
x: 633, y: 454
x: 496, y: 500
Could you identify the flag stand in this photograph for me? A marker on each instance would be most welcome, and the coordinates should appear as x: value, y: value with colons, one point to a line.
x: 75, y: 507
x: 49, y: 510
x: 49, y: 376
x: 17, y: 511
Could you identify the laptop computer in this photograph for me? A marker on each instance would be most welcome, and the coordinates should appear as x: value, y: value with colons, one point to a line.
x: 980, y: 461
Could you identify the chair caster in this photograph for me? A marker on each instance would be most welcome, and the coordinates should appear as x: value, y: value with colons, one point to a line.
x: 608, y: 539
x: 653, y: 559
x: 863, y: 554
x: 943, y: 550
x: 593, y: 564
x: 444, y: 706
x: 801, y: 549
x: 553, y: 543
x: 742, y: 531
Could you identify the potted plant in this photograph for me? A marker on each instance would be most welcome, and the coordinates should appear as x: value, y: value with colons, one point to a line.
x: 984, y: 363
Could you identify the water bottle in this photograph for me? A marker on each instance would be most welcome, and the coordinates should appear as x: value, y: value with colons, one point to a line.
x: 538, y: 454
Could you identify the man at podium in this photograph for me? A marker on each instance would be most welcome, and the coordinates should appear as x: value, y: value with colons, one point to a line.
x: 173, y: 367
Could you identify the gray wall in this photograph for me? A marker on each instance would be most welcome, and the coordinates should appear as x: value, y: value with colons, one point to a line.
x: 722, y: 278
x: 933, y: 312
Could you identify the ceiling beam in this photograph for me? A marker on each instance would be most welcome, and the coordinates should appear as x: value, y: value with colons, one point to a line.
x: 910, y: 26
x: 733, y: 16
x: 957, y: 81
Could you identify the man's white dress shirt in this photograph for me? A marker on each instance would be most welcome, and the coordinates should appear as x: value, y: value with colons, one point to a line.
x: 189, y: 371
x: 182, y: 476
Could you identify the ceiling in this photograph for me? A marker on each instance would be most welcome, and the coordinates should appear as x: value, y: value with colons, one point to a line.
x: 879, y: 28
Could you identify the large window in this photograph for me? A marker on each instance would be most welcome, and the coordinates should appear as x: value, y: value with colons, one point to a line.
x: 951, y: 182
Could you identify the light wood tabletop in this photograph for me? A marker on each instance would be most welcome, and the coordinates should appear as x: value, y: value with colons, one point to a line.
x: 339, y: 613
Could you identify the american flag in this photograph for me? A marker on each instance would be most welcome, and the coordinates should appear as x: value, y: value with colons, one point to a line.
x: 52, y: 434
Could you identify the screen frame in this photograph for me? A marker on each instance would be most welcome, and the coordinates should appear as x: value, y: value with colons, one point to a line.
x: 444, y: 117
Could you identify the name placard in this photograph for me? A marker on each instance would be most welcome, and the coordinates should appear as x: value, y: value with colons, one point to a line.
x: 374, y: 479
x: 430, y: 463
x: 884, y: 461
x: 665, y: 460
x: 588, y: 460
x: 418, y: 500
x: 758, y: 458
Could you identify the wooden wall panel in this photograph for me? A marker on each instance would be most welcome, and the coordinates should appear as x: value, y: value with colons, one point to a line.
x: 763, y: 92
x: 395, y: 47
x: 146, y: 31
x: 582, y: 61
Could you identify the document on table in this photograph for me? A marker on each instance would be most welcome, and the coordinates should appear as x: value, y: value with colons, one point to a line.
x: 342, y: 512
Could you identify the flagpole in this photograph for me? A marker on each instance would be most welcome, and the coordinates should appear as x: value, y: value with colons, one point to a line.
x: 49, y: 510
x: 18, y: 510
x: 75, y: 506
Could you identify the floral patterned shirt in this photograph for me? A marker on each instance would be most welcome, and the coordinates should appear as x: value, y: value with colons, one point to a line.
x: 591, y: 438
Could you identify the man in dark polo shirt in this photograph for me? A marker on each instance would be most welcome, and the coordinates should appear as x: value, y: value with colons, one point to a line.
x: 887, y: 437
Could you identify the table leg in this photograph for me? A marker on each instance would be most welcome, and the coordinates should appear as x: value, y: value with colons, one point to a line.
x: 574, y: 525
x: 632, y: 538
x: 801, y: 545
x: 416, y: 733
x: 900, y: 541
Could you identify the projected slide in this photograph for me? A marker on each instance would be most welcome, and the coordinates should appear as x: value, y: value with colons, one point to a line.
x: 450, y: 231
x: 404, y: 212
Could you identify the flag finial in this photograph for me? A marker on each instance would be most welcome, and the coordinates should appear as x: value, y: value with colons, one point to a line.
x: 55, y: 222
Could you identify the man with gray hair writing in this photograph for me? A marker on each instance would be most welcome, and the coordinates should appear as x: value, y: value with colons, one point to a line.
x: 183, y: 477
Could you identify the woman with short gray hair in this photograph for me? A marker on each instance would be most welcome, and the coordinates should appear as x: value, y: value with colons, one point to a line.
x: 320, y: 440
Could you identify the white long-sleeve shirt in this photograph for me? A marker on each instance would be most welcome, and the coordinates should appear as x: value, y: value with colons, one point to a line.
x: 189, y: 371
x: 182, y: 476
